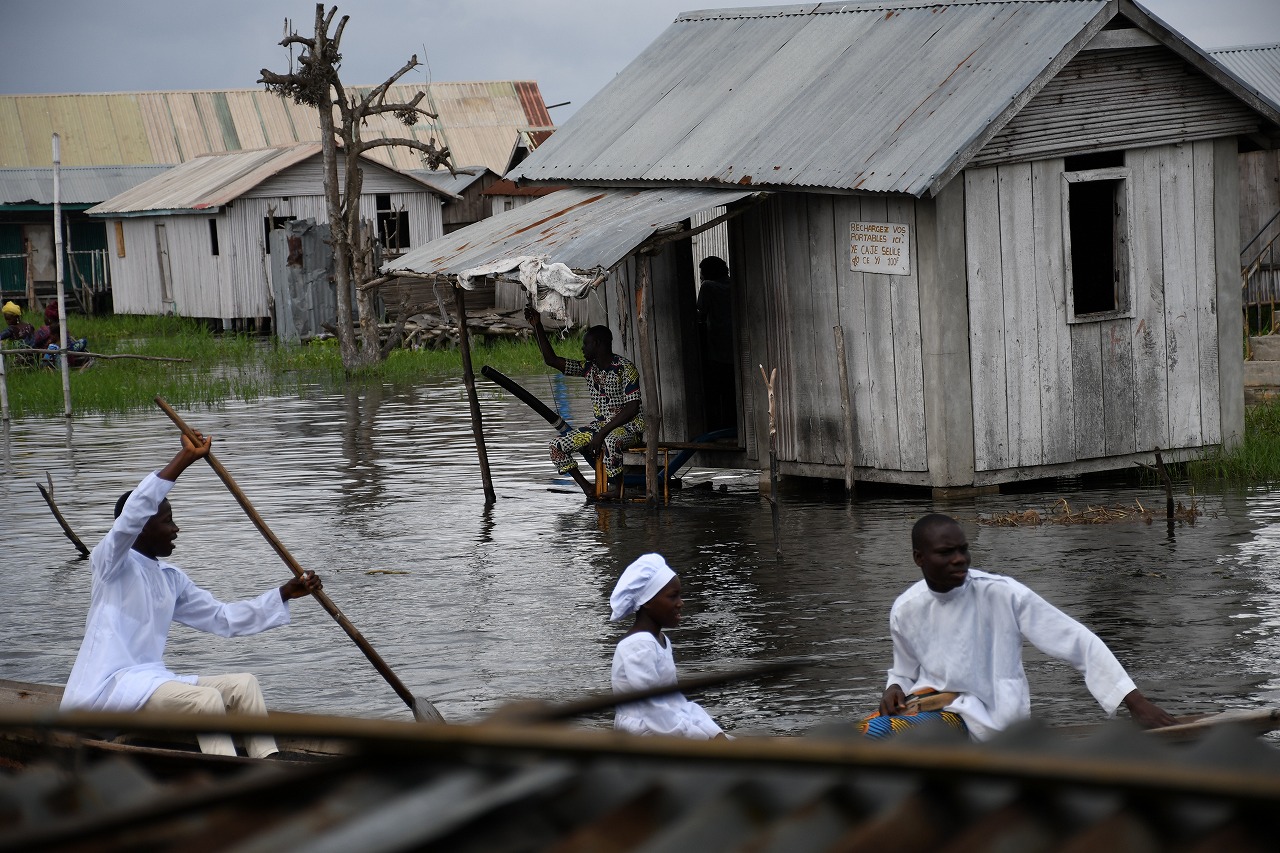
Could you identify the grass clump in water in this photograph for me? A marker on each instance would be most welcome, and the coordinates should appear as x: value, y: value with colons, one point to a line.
x: 1254, y: 461
x: 226, y: 366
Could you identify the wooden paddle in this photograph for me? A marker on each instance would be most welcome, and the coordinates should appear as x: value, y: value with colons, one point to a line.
x: 535, y: 711
x: 423, y: 711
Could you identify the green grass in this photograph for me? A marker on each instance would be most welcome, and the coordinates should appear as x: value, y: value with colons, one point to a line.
x: 1255, y: 461
x: 226, y: 367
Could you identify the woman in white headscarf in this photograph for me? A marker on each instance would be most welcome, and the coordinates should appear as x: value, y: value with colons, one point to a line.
x: 651, y: 590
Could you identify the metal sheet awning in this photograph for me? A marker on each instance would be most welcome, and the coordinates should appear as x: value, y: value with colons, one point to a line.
x: 588, y: 229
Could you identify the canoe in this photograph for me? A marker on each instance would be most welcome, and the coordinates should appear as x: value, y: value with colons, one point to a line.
x: 165, y: 756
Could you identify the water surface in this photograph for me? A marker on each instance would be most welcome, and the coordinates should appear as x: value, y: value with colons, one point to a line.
x: 378, y: 489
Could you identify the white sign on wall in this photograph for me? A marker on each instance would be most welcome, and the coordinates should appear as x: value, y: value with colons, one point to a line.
x: 883, y: 247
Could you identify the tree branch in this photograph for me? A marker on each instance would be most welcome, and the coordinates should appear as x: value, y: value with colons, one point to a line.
x: 381, y: 91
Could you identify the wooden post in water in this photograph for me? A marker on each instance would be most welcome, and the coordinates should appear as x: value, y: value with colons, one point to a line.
x: 4, y: 392
x: 846, y: 408
x: 769, y: 379
x: 1168, y: 486
x: 58, y: 266
x: 653, y: 408
x: 469, y: 379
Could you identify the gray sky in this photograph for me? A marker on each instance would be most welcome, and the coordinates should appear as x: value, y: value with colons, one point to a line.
x: 570, y: 47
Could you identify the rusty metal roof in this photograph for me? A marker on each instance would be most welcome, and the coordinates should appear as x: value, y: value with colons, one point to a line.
x: 1257, y: 65
x: 586, y: 228
x: 493, y: 788
x: 867, y: 96
x: 478, y: 121
x: 77, y: 185
x: 214, y: 180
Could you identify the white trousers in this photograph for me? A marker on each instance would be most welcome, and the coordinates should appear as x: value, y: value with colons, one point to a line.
x: 237, y: 693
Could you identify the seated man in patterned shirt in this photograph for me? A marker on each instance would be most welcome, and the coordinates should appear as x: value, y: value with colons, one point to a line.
x: 614, y: 384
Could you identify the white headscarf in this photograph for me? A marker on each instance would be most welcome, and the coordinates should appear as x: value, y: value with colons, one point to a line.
x: 641, y: 581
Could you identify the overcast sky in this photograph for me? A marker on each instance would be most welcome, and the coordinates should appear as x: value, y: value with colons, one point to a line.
x: 570, y: 47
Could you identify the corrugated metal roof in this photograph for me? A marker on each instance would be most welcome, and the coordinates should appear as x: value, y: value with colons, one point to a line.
x: 867, y: 96
x: 501, y: 789
x: 77, y: 185
x: 207, y: 182
x: 1257, y: 65
x: 877, y: 97
x: 452, y: 184
x: 478, y: 121
x: 214, y: 180
x: 585, y: 228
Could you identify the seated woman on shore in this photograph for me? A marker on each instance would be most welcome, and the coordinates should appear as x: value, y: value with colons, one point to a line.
x: 22, y: 334
x: 49, y: 337
x: 651, y: 590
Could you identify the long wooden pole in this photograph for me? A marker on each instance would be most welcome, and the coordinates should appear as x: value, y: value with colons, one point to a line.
x: 423, y: 710
x: 4, y: 392
x: 469, y: 379
x: 58, y: 267
x: 653, y: 408
x: 769, y: 379
x: 846, y: 408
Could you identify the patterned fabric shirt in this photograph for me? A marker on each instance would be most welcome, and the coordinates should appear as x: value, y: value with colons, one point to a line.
x: 611, y: 388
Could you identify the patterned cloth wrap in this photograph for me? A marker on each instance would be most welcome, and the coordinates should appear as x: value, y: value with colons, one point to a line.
x: 876, y: 727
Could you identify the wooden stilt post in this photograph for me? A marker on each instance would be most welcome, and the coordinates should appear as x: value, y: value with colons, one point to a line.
x: 769, y: 379
x: 846, y: 407
x: 4, y: 392
x: 63, y: 338
x: 652, y: 407
x: 469, y: 379
x: 1168, y: 486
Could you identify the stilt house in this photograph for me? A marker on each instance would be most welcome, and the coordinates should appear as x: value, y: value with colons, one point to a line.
x: 979, y: 241
x: 196, y: 241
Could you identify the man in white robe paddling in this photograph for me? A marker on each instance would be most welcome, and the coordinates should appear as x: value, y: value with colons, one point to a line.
x: 960, y: 630
x: 137, y: 594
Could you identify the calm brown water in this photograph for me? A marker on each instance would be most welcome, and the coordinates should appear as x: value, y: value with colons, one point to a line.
x: 378, y: 489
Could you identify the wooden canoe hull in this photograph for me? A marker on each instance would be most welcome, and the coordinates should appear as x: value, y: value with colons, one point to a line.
x: 166, y: 757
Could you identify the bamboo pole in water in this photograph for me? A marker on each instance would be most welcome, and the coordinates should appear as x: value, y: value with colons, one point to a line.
x: 769, y: 379
x: 469, y: 379
x: 846, y: 408
x: 58, y: 266
x: 4, y: 392
x: 653, y: 409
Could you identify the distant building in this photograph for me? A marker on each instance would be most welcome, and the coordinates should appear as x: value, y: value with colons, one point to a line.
x: 194, y: 241
x: 27, y: 261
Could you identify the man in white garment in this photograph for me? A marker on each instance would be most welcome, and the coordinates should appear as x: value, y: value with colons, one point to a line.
x: 136, y: 595
x: 961, y: 630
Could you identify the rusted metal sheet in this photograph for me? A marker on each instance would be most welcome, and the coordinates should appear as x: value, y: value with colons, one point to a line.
x: 585, y: 228
x: 499, y: 788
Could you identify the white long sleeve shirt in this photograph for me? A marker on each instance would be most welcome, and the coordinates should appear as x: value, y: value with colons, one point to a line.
x: 641, y: 662
x: 134, y: 600
x: 969, y: 640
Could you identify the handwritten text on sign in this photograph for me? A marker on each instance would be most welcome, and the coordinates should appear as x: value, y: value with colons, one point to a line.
x: 883, y: 247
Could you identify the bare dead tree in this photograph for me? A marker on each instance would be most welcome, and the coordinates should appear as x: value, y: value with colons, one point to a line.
x: 316, y: 83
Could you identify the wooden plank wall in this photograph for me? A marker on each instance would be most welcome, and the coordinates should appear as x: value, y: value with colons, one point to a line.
x: 1048, y: 392
x: 793, y: 269
x: 1259, y: 193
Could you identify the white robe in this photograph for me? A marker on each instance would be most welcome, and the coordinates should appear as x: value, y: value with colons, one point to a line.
x: 134, y: 600
x: 641, y: 662
x: 969, y: 641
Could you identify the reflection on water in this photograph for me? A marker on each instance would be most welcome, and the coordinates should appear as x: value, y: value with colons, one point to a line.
x: 378, y: 489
